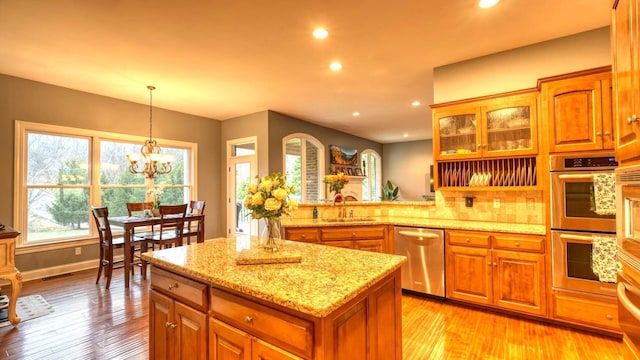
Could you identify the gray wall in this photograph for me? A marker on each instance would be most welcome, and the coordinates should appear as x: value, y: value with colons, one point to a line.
x: 407, y: 166
x: 521, y: 68
x: 32, y: 101
x: 281, y: 125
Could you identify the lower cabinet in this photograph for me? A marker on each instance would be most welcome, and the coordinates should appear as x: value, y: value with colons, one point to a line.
x: 177, y: 331
x: 497, y: 269
x: 361, y: 237
x: 596, y: 311
x: 229, y: 343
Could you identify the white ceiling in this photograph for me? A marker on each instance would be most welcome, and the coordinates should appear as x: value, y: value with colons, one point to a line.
x: 223, y: 59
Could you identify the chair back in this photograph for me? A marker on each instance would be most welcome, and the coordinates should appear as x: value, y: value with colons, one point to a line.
x: 138, y: 206
x: 101, y: 217
x: 172, y: 220
x: 196, y: 207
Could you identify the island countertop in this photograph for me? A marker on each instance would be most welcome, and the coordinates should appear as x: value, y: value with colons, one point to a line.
x: 324, y: 279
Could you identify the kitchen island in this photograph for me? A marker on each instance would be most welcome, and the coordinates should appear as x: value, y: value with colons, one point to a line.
x: 321, y: 303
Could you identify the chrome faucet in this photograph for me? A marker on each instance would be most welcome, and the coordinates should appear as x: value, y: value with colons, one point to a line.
x: 343, y: 210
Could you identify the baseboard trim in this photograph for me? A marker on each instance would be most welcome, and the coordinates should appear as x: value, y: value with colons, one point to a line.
x: 58, y: 270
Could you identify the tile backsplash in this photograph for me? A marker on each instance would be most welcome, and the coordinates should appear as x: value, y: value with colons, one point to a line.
x: 520, y: 207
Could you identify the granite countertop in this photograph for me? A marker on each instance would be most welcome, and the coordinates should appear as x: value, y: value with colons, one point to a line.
x: 324, y: 279
x: 533, y: 229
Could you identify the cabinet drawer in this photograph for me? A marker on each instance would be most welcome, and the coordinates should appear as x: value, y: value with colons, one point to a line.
x: 281, y: 329
x: 586, y: 311
x: 519, y: 242
x: 353, y: 233
x: 468, y: 238
x: 302, y: 234
x: 180, y: 287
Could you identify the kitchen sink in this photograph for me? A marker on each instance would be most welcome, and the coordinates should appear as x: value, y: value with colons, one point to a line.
x: 349, y: 219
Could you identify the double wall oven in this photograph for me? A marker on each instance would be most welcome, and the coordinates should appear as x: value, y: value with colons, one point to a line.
x: 575, y: 222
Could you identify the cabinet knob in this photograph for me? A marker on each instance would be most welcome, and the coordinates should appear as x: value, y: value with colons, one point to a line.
x: 495, y: 264
x: 303, y: 236
x: 489, y: 263
x: 353, y: 234
x: 609, y: 317
x: 248, y: 319
x: 607, y: 133
x: 517, y: 244
x: 173, y: 286
x: 170, y: 325
x: 467, y: 240
x: 631, y: 119
x: 598, y: 133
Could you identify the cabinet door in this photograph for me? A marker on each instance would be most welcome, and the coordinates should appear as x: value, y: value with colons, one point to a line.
x: 261, y: 350
x: 190, y: 334
x: 626, y: 78
x: 160, y: 316
x: 369, y: 245
x: 574, y: 111
x: 468, y: 274
x: 227, y: 342
x: 519, y: 281
x: 456, y: 132
x: 510, y: 126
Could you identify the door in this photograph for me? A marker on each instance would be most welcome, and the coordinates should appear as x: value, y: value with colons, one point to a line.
x: 469, y: 274
x: 519, y: 281
x: 190, y: 333
x: 227, y: 342
x: 626, y: 80
x: 242, y: 168
x: 160, y: 314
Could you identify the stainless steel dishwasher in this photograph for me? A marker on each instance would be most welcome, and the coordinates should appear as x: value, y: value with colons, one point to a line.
x: 424, y: 249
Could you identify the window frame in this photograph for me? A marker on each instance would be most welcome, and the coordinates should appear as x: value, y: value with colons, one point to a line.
x: 367, y: 175
x: 303, y: 164
x: 21, y: 188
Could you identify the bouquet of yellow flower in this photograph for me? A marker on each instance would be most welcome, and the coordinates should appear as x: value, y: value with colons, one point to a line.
x: 270, y: 198
x: 336, y: 182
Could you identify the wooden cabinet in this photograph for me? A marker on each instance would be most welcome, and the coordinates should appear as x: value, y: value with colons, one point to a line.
x: 496, y: 269
x: 626, y: 78
x: 600, y: 312
x: 577, y: 110
x: 497, y: 127
x: 489, y: 143
x: 369, y: 326
x: 361, y: 237
x: 177, y: 330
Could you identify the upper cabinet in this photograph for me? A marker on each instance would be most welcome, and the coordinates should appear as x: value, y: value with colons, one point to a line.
x: 495, y: 127
x: 577, y: 111
x: 626, y: 78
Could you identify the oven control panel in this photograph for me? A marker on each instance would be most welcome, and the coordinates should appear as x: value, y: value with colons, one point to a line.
x: 572, y: 162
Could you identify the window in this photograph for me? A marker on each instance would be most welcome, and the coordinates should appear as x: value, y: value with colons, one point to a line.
x: 61, y: 172
x: 372, y: 183
x: 304, y: 166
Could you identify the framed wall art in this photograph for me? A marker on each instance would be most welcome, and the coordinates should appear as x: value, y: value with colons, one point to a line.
x: 340, y: 155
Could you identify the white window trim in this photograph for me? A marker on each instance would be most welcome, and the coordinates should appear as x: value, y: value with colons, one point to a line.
x: 22, y: 128
x: 303, y: 169
x: 378, y: 178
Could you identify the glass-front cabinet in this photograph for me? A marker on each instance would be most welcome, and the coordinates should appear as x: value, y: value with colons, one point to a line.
x: 496, y: 127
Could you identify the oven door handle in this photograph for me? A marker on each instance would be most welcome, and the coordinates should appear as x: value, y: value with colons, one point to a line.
x: 624, y: 300
x: 588, y: 176
x: 576, y: 237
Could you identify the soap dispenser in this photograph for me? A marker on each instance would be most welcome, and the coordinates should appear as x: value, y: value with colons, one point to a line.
x: 315, y: 212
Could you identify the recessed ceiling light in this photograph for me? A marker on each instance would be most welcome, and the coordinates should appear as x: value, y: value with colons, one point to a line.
x: 405, y: 135
x: 335, y: 66
x: 320, y: 33
x: 485, y: 4
x: 355, y: 113
x: 416, y: 103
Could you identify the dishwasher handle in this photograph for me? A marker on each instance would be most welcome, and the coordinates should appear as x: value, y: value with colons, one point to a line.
x: 418, y: 234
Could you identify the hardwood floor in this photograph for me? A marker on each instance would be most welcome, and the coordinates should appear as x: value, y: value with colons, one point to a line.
x: 90, y: 322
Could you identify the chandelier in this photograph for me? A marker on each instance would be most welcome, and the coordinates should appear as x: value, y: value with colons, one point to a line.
x: 154, y: 162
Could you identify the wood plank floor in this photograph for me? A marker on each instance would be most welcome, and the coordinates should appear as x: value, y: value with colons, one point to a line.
x: 90, y: 322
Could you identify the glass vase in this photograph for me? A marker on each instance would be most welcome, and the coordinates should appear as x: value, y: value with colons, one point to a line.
x: 271, y: 235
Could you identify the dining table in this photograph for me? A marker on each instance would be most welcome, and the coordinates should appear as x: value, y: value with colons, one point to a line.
x: 128, y: 223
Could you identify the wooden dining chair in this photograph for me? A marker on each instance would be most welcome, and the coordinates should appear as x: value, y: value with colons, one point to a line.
x: 171, y: 228
x: 192, y: 227
x: 138, y: 209
x: 108, y: 244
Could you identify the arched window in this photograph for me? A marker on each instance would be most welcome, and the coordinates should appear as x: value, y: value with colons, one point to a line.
x: 372, y: 168
x: 304, y: 166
